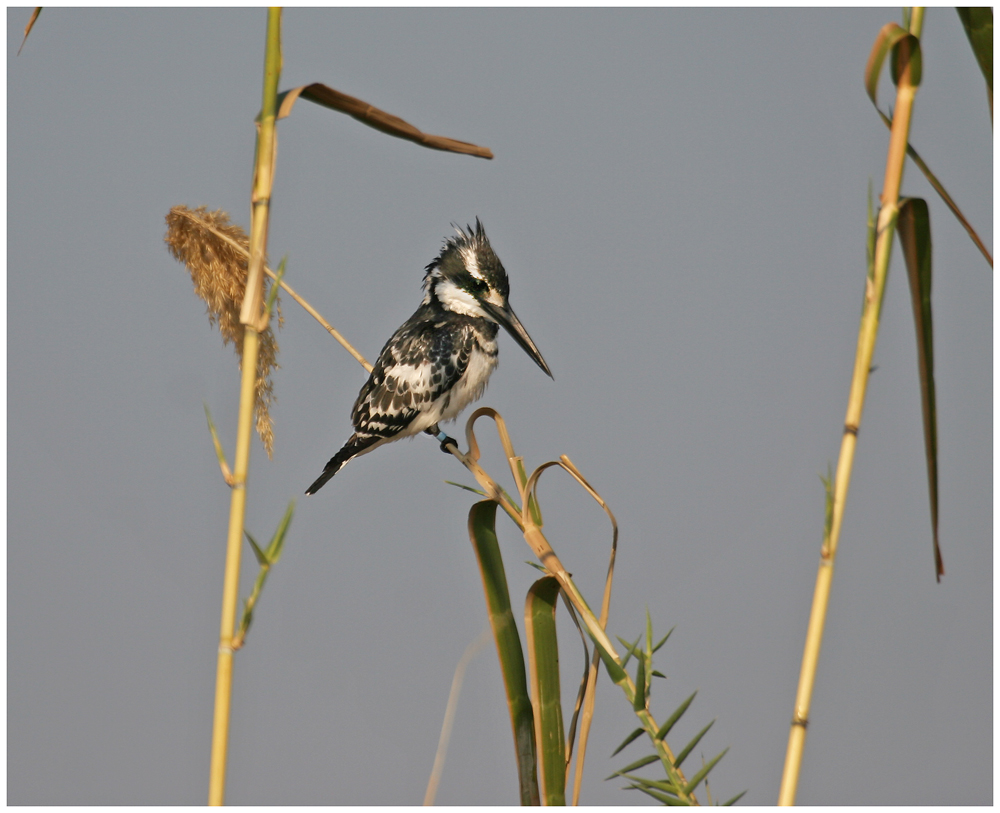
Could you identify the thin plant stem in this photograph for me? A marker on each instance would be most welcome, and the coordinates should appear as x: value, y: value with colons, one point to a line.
x: 867, y: 334
x: 471, y: 651
x: 284, y: 285
x: 250, y: 317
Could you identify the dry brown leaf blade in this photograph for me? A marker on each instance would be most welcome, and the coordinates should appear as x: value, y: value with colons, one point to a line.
x: 29, y: 26
x: 374, y: 117
x: 914, y: 230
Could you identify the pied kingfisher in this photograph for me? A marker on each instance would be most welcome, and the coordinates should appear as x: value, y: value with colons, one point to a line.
x: 441, y: 358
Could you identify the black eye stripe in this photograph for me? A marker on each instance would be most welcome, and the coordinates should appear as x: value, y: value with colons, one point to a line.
x: 476, y: 285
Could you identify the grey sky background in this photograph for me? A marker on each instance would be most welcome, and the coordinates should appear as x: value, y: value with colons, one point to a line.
x: 679, y: 199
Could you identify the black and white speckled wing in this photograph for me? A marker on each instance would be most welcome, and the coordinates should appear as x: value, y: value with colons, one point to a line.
x: 422, y: 361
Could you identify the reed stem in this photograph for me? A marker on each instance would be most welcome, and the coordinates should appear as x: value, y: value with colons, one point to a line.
x: 250, y: 317
x: 867, y: 334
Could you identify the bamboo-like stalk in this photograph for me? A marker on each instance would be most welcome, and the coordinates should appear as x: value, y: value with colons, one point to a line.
x: 250, y: 317
x: 867, y: 334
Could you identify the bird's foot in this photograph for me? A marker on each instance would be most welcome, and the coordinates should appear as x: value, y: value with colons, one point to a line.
x: 446, y: 440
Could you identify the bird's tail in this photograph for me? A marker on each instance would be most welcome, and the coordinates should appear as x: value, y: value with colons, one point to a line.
x: 355, y: 445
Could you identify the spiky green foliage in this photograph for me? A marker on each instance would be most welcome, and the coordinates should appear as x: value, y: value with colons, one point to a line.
x: 674, y: 789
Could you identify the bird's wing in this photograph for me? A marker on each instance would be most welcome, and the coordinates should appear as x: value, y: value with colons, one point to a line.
x: 423, y: 360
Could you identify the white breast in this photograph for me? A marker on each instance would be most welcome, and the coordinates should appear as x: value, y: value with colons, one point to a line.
x: 470, y: 386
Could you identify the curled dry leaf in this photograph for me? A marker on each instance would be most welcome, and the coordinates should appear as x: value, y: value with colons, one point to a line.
x: 374, y: 117
x: 219, y: 274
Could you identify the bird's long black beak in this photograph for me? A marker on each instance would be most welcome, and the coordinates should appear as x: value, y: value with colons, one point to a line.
x: 506, y: 317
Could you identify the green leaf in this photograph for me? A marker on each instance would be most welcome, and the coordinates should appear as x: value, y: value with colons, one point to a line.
x: 871, y: 84
x: 690, y: 746
x: 219, y: 453
x: 978, y: 24
x: 261, y: 556
x: 657, y: 673
x: 536, y: 566
x: 543, y: 660
x: 734, y: 800
x: 943, y: 193
x: 632, y: 766
x: 639, y: 699
x: 630, y: 649
x: 278, y: 540
x: 628, y: 740
x: 615, y: 671
x: 272, y: 294
x: 668, y: 787
x: 662, y: 797
x: 482, y: 532
x: 649, y: 634
x: 696, y: 779
x: 663, y: 640
x: 665, y: 728
x: 533, y: 506
x: 914, y: 229
x: 467, y: 488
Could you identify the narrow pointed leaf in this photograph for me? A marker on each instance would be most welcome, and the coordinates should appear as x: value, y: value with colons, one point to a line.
x: 632, y: 766
x: 467, y: 488
x: 696, y: 779
x: 649, y: 633
x: 630, y: 649
x: 978, y: 24
x: 657, y: 673
x: 735, y: 799
x: 662, y: 797
x: 615, y: 671
x: 227, y: 473
x: 914, y: 229
x: 261, y: 556
x: 665, y: 728
x: 667, y: 787
x: 943, y: 193
x: 482, y: 532
x: 278, y: 540
x: 890, y: 35
x: 543, y: 661
x: 627, y: 741
x: 272, y: 294
x: 663, y: 640
x: 639, y: 701
x: 533, y: 506
x: 690, y: 746
x: 29, y: 26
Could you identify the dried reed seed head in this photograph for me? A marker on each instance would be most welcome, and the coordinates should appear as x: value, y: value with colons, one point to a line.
x: 219, y: 273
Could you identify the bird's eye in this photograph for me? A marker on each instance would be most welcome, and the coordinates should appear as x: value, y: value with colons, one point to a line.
x: 479, y: 286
